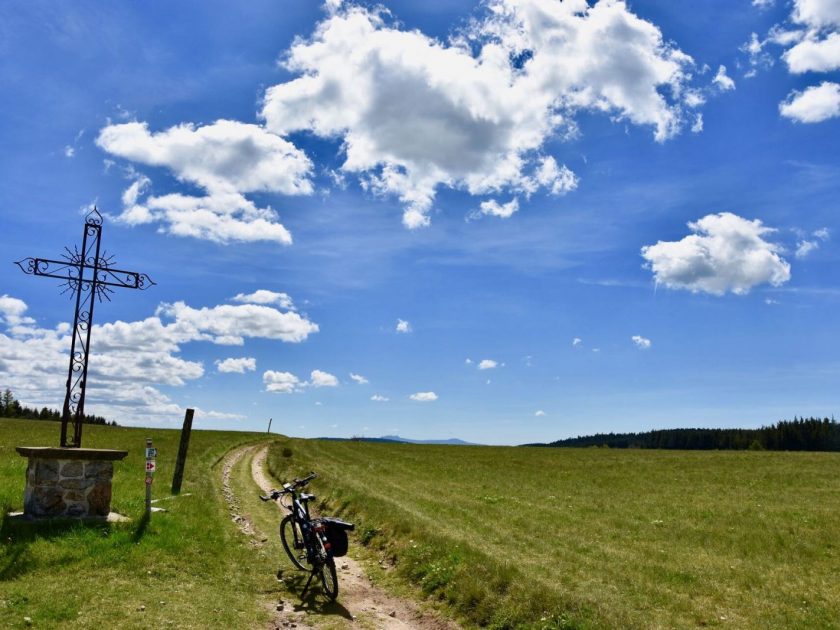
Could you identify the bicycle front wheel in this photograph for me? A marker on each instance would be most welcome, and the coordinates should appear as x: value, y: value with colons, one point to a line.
x: 329, y: 579
x: 293, y: 543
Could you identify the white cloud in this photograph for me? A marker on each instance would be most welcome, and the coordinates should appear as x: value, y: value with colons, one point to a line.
x: 424, y: 397
x: 487, y: 364
x: 763, y: 4
x: 414, y: 114
x: 361, y: 380
x: 576, y: 342
x: 805, y: 246
x: 725, y: 253
x: 724, y: 82
x: 468, y: 361
x: 129, y: 360
x: 12, y: 311
x: 814, y: 55
x: 322, y: 379
x: 69, y: 151
x: 226, y: 159
x: 817, y: 13
x: 403, y: 326
x: 220, y: 217
x: 281, y: 382
x: 811, y: 37
x: 378, y: 398
x: 263, y: 296
x: 230, y: 325
x: 226, y: 156
x: 493, y: 208
x: 540, y: 413
x: 814, y: 104
x: 558, y: 180
x: 642, y: 343
x: 697, y: 126
x: 238, y: 365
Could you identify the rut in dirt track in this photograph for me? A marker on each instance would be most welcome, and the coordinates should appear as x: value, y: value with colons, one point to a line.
x: 360, y: 601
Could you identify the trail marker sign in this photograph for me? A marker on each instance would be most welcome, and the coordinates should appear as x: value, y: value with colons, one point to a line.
x: 150, y: 465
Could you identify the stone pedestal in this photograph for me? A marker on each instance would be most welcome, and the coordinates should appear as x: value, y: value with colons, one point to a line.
x: 68, y: 482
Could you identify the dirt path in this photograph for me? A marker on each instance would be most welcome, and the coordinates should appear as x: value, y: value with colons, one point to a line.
x: 362, y: 603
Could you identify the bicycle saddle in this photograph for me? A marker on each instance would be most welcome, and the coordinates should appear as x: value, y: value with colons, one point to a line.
x: 307, y: 497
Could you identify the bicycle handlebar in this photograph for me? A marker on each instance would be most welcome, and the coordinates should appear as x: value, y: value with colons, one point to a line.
x: 289, y: 487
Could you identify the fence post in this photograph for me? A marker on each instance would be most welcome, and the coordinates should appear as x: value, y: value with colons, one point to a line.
x: 149, y: 471
x: 182, y: 452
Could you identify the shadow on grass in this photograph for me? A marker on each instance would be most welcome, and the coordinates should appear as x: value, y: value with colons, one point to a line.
x: 18, y: 533
x: 316, y: 601
x: 140, y: 530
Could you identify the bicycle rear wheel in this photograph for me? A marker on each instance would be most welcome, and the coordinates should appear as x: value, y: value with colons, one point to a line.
x: 329, y: 578
x: 293, y: 543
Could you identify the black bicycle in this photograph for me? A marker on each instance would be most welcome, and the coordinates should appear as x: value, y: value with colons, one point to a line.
x: 311, y: 543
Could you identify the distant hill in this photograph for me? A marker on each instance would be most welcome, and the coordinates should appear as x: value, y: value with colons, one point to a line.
x: 398, y: 439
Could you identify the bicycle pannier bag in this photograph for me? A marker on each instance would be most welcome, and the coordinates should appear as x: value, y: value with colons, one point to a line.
x: 337, y: 536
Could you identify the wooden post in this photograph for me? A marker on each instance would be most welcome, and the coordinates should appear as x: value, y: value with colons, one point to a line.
x: 269, y: 426
x: 149, y: 472
x: 178, y: 477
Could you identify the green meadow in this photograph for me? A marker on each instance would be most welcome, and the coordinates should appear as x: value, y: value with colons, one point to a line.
x: 186, y: 568
x: 594, y: 538
x: 499, y: 537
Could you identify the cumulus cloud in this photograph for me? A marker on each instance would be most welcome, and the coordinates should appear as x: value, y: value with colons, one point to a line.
x: 378, y: 398
x: 131, y: 360
x: 424, y: 397
x: 540, y: 413
x: 724, y: 253
x: 403, y: 326
x: 414, y: 114
x: 361, y: 380
x: 226, y: 159
x: 318, y: 378
x: 577, y: 341
x: 487, y: 364
x: 810, y: 38
x: 263, y: 296
x: 281, y: 382
x: 230, y: 325
x: 642, y: 343
x: 238, y: 365
x: 12, y: 311
x: 814, y: 104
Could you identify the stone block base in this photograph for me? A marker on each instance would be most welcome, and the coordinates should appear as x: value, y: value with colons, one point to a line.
x: 68, y: 482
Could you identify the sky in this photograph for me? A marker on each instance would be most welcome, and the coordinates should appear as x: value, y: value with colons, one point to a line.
x: 507, y: 221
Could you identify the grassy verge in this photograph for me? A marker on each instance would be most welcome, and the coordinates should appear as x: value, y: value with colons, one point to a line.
x: 186, y: 568
x: 514, y: 537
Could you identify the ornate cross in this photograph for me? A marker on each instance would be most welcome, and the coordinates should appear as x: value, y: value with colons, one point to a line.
x: 89, y: 275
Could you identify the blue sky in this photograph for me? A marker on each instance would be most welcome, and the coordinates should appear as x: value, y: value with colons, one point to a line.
x: 514, y: 179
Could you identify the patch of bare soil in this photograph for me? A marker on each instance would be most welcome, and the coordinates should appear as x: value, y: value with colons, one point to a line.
x: 360, y: 602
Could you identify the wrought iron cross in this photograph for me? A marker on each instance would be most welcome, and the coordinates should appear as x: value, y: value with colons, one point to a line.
x: 89, y: 274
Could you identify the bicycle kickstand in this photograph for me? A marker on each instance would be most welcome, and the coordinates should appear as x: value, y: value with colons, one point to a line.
x: 306, y: 587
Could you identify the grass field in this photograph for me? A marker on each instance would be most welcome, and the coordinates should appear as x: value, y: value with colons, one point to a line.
x: 515, y: 537
x: 189, y: 568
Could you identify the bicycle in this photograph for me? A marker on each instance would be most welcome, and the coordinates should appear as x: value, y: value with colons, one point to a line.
x: 311, y: 541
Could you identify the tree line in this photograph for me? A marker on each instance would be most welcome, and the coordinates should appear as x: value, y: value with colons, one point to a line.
x: 11, y: 408
x: 799, y: 434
